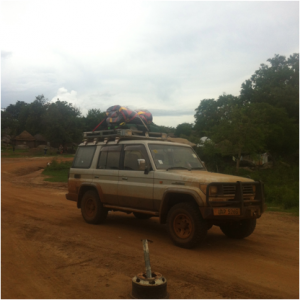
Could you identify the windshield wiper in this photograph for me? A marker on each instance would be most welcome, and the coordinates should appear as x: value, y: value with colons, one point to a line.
x: 197, y: 168
x: 179, y: 168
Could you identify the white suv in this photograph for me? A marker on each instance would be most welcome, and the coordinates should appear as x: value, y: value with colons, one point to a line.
x: 150, y: 176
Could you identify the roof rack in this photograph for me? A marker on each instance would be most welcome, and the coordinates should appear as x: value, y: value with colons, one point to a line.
x: 118, y: 134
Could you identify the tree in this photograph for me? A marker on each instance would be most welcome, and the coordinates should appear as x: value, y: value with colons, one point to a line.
x: 93, y: 118
x: 15, y: 109
x: 34, y: 115
x: 62, y: 123
x: 240, y: 133
x: 184, y: 129
x: 7, y: 122
x: 276, y: 84
x: 281, y: 133
x: 210, y: 112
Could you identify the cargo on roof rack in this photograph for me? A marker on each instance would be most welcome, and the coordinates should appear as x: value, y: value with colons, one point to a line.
x: 122, y: 134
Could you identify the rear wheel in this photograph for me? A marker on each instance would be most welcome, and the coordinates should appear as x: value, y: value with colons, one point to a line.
x: 239, y: 229
x: 142, y: 216
x: 185, y: 225
x: 92, y: 209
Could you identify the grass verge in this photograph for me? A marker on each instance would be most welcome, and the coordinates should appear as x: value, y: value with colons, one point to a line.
x: 58, y: 171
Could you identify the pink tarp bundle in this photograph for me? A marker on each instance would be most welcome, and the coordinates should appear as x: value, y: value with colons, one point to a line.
x: 119, y: 115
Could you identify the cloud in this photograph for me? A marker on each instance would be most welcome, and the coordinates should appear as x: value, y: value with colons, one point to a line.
x: 161, y: 56
x: 63, y: 95
x: 5, y: 54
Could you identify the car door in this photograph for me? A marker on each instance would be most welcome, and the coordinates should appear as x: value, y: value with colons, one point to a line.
x: 106, y: 175
x: 135, y: 185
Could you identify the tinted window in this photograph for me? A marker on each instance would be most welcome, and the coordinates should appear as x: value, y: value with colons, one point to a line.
x: 113, y: 160
x: 102, y: 160
x: 110, y: 157
x: 84, y: 157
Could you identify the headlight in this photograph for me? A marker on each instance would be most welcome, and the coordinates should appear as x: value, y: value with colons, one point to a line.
x: 213, y: 190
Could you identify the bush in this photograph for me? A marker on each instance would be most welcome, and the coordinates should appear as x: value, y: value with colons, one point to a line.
x: 283, y: 196
x: 281, y: 183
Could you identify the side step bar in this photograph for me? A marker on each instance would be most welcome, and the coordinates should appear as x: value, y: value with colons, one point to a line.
x: 121, y: 208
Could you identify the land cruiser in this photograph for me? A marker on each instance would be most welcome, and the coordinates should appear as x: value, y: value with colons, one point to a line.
x: 148, y: 175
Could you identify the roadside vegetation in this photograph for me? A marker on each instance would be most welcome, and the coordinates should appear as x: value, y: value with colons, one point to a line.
x: 281, y: 184
x: 58, y: 171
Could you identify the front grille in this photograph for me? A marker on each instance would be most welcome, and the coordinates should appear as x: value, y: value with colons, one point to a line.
x: 230, y: 189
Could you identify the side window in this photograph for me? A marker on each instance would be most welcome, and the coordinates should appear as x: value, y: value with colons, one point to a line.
x: 84, y: 156
x: 113, y: 160
x: 110, y: 157
x: 102, y: 160
x: 135, y: 158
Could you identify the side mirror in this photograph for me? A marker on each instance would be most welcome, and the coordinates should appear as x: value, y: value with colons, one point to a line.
x: 142, y: 164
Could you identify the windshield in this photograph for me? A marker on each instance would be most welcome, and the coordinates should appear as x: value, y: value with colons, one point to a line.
x: 173, y: 157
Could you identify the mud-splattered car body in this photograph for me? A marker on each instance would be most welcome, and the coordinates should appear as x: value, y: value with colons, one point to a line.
x: 149, y: 176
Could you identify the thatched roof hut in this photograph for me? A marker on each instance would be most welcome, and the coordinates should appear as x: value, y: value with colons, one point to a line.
x: 25, y: 138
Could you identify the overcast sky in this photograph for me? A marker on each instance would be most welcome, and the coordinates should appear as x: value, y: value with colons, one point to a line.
x: 161, y: 56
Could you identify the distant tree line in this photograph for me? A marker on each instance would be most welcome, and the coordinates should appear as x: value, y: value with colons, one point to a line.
x: 264, y: 117
x: 59, y: 122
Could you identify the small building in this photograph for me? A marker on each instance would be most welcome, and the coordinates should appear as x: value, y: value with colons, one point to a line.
x: 24, y: 139
x: 39, y: 140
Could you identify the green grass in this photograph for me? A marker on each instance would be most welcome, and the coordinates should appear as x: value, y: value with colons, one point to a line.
x: 58, y: 172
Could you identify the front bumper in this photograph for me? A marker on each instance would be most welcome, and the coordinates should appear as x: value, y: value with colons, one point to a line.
x: 249, y: 204
x: 250, y: 212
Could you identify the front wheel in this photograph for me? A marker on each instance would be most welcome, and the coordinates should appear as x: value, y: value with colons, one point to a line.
x: 239, y: 229
x: 92, y: 209
x: 185, y: 225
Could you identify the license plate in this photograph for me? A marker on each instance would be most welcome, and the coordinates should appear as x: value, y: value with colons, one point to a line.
x: 226, y: 211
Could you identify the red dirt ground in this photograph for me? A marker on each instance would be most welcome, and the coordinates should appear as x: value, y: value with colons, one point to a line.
x: 48, y: 251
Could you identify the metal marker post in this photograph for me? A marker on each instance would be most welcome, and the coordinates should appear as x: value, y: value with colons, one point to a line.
x: 147, y: 259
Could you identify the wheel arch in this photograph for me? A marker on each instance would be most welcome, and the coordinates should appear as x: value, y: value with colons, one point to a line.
x: 86, y: 187
x: 175, y: 196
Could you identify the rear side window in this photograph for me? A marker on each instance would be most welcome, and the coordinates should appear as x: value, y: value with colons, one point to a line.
x: 110, y: 157
x: 84, y: 157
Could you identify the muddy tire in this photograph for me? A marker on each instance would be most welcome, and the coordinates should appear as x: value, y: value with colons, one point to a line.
x: 142, y: 216
x: 92, y: 209
x: 185, y: 225
x: 239, y: 229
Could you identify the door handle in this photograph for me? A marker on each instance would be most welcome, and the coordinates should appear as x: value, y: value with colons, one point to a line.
x: 124, y: 178
x: 96, y: 176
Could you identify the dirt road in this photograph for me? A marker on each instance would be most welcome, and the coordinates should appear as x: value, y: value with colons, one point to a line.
x: 48, y: 251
